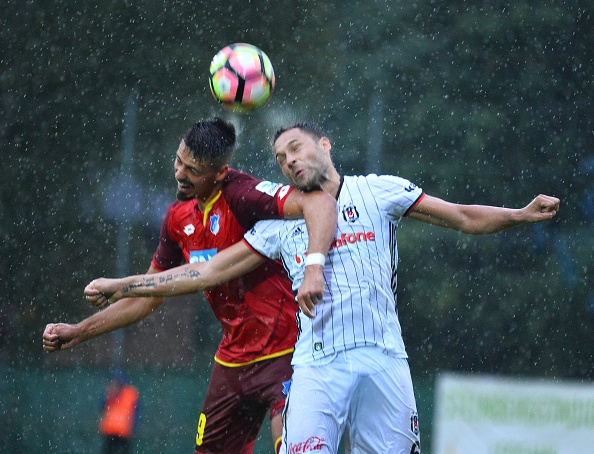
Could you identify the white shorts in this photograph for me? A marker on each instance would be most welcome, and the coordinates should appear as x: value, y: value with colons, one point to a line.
x: 364, y: 393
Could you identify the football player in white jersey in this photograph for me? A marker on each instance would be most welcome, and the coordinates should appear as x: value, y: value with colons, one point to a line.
x: 351, y: 376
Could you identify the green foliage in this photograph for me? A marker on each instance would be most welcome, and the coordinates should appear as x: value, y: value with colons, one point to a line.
x: 479, y: 103
x: 499, y: 304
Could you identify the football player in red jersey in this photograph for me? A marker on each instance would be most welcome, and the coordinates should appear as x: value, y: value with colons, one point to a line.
x: 215, y: 206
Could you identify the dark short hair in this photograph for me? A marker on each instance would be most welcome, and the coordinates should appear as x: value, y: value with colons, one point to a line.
x: 211, y: 141
x: 309, y: 128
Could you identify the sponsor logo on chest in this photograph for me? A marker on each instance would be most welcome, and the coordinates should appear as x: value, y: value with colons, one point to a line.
x: 202, y: 256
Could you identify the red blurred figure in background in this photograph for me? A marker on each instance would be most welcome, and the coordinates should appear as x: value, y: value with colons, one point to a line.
x: 119, y: 415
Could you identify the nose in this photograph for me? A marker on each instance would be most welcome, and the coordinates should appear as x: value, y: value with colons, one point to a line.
x: 291, y: 160
x: 179, y: 172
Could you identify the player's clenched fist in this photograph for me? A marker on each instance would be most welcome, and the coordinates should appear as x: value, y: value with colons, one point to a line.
x: 311, y: 291
x: 58, y: 336
x: 94, y: 296
x: 543, y: 207
x: 102, y: 292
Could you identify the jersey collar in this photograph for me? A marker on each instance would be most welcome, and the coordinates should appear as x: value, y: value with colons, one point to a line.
x: 339, y: 187
x: 209, y: 206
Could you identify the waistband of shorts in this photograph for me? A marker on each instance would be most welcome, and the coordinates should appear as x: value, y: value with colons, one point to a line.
x: 255, y: 360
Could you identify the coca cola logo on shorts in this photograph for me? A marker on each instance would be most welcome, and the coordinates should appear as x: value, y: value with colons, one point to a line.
x: 312, y: 444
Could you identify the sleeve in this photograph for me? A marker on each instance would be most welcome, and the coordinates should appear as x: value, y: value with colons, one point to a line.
x: 263, y: 238
x: 252, y: 200
x: 394, y: 195
x: 168, y: 254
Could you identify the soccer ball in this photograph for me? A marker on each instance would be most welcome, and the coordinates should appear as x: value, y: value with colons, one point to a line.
x: 241, y: 77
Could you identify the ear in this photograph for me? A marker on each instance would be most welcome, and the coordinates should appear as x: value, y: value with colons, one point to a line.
x: 325, y: 144
x: 222, y: 173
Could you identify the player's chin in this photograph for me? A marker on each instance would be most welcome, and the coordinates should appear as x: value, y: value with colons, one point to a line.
x: 183, y: 197
x: 310, y: 187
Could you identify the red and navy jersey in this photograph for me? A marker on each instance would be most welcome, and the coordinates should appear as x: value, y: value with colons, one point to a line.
x: 256, y: 311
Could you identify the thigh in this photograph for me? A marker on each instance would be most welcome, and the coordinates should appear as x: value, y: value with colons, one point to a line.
x: 383, y: 415
x: 221, y: 425
x: 264, y: 382
x: 315, y: 413
x: 236, y: 404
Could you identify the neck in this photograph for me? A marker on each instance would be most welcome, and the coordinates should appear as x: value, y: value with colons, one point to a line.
x: 332, y: 184
x: 203, y: 203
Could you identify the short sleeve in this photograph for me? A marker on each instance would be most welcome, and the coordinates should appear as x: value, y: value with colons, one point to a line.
x: 264, y: 238
x: 168, y: 253
x: 394, y: 195
x: 252, y: 200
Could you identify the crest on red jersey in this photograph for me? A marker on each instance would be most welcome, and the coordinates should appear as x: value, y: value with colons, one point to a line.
x: 214, y: 224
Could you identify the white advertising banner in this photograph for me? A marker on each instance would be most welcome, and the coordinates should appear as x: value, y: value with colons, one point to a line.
x: 483, y: 414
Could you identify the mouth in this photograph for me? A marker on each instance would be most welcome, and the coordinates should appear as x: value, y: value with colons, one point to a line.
x: 184, y: 187
x: 298, y: 173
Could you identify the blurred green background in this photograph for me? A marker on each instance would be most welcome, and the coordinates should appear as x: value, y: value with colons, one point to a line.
x: 476, y: 102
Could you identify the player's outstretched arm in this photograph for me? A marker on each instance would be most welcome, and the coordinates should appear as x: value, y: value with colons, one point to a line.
x: 483, y: 219
x: 318, y: 208
x: 63, y: 336
x: 228, y: 264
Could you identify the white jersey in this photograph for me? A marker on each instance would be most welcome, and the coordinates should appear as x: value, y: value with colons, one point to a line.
x: 359, y: 305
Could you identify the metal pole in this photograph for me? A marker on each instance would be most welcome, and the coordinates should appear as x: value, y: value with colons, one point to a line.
x: 124, y: 225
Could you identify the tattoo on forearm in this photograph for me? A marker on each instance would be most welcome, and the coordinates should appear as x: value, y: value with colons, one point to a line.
x: 144, y: 283
x: 152, y: 282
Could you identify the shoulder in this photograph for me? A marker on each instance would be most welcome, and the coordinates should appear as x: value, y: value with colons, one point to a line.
x: 392, y: 195
x: 235, y: 176
x: 180, y: 208
x: 382, y: 181
x: 381, y: 185
x: 251, y: 199
x: 241, y: 182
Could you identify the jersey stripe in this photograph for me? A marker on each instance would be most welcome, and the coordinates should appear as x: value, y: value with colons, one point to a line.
x: 359, y: 305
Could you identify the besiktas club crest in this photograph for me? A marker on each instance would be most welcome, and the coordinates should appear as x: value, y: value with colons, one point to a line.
x: 350, y: 213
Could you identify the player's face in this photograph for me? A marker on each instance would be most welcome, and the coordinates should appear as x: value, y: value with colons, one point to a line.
x: 303, y: 159
x: 195, y: 179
